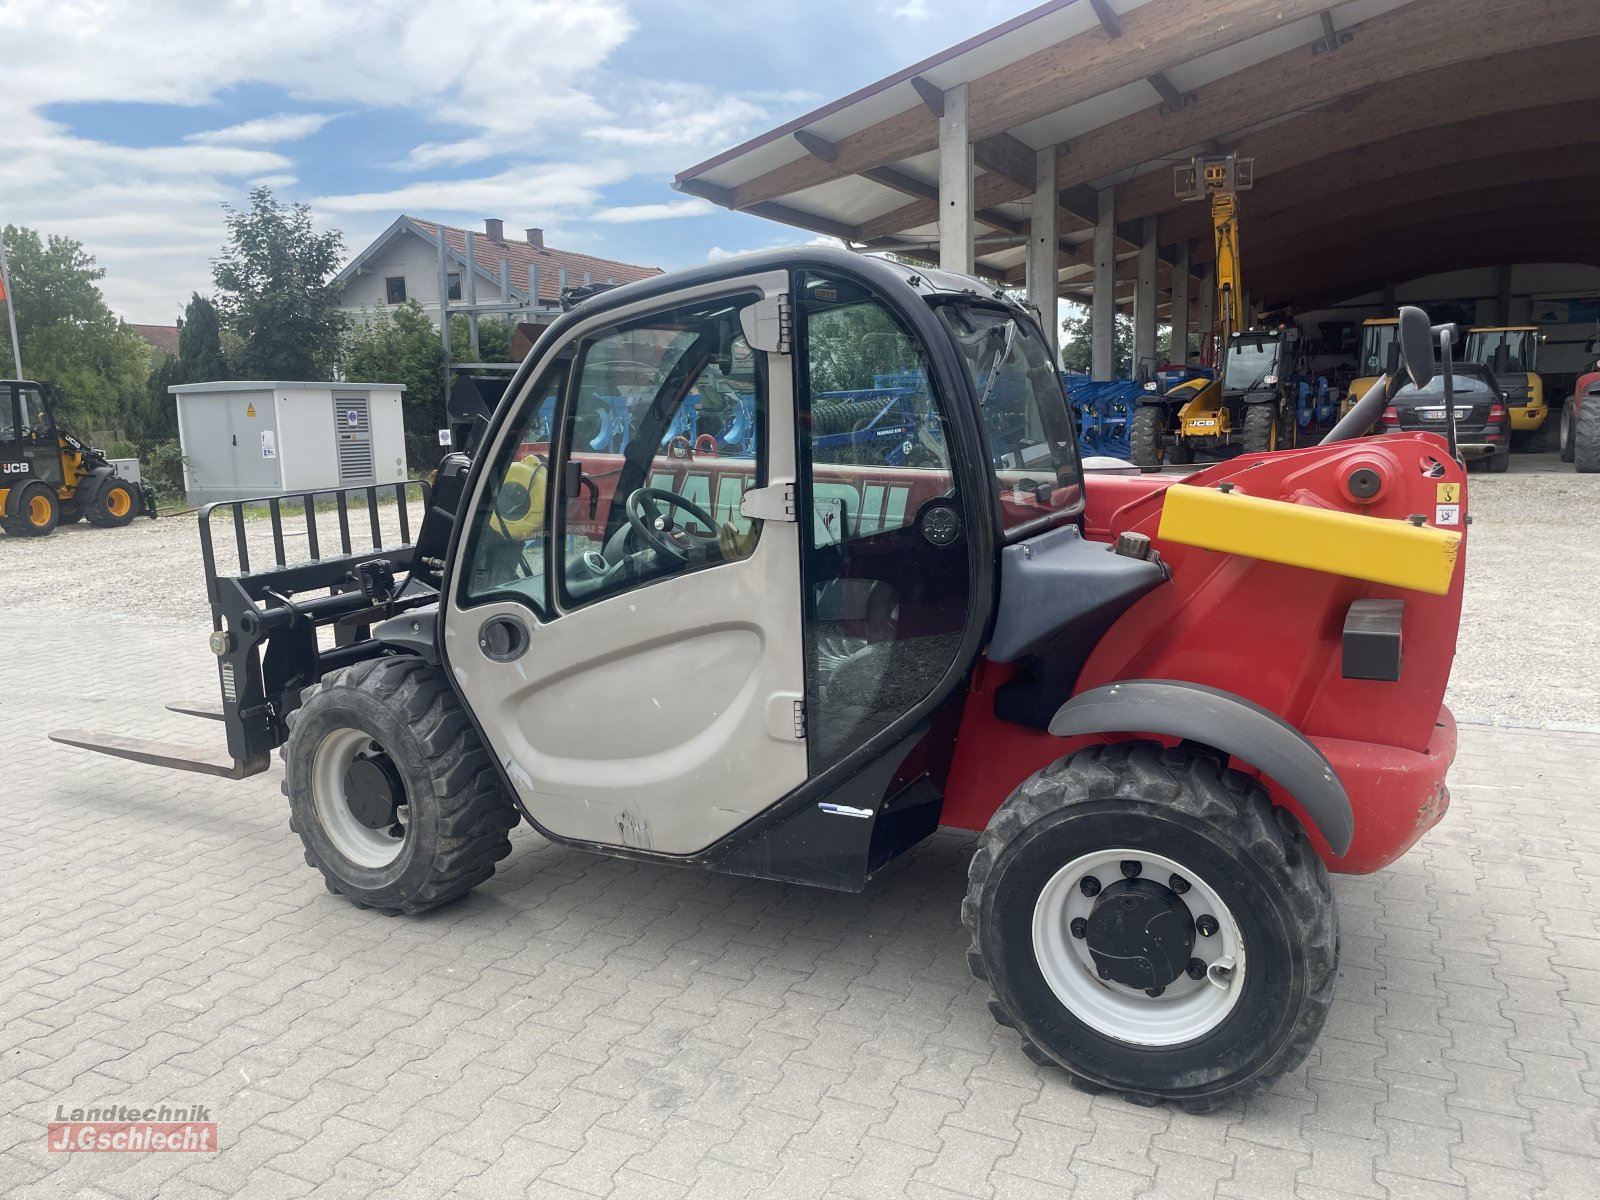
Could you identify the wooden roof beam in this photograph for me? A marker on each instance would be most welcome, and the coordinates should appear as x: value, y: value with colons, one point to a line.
x: 1432, y: 115
x: 774, y: 212
x: 1420, y: 36
x: 1160, y: 34
x: 1109, y: 21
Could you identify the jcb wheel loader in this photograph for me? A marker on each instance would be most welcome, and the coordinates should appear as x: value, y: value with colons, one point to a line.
x: 48, y: 477
x: 1169, y: 707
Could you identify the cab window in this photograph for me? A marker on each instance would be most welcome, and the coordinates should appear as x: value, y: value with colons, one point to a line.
x: 640, y: 472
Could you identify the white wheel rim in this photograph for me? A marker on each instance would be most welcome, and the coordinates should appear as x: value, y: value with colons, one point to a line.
x: 1188, y: 1008
x: 362, y: 845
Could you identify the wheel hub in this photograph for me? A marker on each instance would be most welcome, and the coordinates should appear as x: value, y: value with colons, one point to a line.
x: 1140, y: 934
x: 373, y: 792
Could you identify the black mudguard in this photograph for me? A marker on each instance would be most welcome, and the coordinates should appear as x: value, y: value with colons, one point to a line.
x: 1226, y: 722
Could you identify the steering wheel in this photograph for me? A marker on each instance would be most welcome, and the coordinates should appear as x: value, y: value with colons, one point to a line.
x: 655, y: 527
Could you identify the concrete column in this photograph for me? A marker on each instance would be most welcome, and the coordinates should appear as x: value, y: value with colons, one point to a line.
x: 1180, y: 304
x: 1043, y: 252
x: 1144, y: 302
x: 1103, y: 318
x: 1206, y: 322
x: 956, y: 228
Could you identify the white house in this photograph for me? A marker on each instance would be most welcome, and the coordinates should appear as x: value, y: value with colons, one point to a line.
x: 403, y: 264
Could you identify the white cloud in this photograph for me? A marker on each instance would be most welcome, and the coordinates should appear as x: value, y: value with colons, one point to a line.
x: 654, y: 212
x: 531, y: 194
x: 912, y: 10
x: 264, y: 131
x: 718, y: 254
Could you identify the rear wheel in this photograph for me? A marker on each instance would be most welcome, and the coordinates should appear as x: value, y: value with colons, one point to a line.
x: 1260, y: 428
x: 1564, y: 436
x: 391, y: 791
x: 34, y: 513
x: 117, y: 506
x: 1146, y: 436
x: 1533, y: 441
x: 1586, y: 436
x: 1500, y: 461
x: 1148, y: 921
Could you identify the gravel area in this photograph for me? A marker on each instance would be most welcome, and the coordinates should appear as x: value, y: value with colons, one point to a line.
x: 1530, y: 628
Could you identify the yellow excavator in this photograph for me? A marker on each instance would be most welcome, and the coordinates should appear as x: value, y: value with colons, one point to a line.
x: 1243, y: 402
x: 1512, y: 353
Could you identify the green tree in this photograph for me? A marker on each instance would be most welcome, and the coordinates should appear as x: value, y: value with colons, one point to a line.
x: 400, y: 345
x: 275, y: 290
x: 68, y: 335
x: 1077, y: 351
x: 200, y: 342
x: 494, y: 339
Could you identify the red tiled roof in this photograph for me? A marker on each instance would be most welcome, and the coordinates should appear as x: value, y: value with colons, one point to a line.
x: 487, y: 253
x: 163, y: 337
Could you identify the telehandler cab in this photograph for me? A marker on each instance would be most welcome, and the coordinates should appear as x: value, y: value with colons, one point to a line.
x: 1170, y: 706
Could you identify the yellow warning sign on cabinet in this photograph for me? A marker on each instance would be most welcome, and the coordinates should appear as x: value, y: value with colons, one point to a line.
x: 250, y: 411
x: 1447, y: 493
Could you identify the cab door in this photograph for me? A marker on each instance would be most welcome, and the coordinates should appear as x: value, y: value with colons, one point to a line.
x: 640, y: 678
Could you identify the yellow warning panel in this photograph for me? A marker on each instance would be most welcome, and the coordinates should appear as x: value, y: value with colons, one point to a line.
x: 1447, y: 493
x: 1396, y: 553
x: 250, y: 410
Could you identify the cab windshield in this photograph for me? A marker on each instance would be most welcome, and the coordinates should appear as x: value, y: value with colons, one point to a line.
x: 1375, y: 342
x: 1023, y: 409
x: 1502, y: 350
x: 1251, y: 364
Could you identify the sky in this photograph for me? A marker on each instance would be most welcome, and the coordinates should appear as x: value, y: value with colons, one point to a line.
x: 129, y: 124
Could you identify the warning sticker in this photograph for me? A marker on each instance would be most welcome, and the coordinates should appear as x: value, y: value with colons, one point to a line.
x: 1447, y: 493
x: 250, y: 410
x: 351, y: 419
x: 1446, y: 514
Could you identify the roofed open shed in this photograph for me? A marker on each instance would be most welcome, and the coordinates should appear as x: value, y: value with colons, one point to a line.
x: 1390, y: 139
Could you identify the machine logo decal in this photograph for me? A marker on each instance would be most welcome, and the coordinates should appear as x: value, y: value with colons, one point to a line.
x: 14, y: 468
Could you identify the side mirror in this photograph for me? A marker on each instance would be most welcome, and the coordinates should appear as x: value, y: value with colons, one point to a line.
x: 1416, y: 342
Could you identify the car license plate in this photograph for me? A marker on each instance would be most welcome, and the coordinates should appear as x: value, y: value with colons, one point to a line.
x: 1437, y: 414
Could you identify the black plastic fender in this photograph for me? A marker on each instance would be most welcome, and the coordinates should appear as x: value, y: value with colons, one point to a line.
x: 87, y: 493
x: 1226, y: 722
x: 415, y: 632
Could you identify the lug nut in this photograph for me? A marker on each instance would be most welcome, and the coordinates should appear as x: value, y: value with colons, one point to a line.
x: 1155, y: 991
x: 1207, y: 925
x: 1080, y: 927
x: 1178, y: 884
x: 1196, y: 969
x: 1131, y: 868
x: 1089, y: 885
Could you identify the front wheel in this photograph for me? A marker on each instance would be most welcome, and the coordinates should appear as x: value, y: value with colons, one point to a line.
x: 1146, y: 436
x: 1148, y: 921
x: 118, y: 505
x: 390, y: 790
x: 1260, y: 428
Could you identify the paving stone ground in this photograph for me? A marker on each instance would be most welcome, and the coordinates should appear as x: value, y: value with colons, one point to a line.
x: 584, y: 1027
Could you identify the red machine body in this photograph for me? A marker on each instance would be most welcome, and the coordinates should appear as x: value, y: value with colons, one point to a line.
x: 1273, y: 635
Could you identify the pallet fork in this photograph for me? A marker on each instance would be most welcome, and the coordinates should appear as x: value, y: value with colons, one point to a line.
x: 266, y: 622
